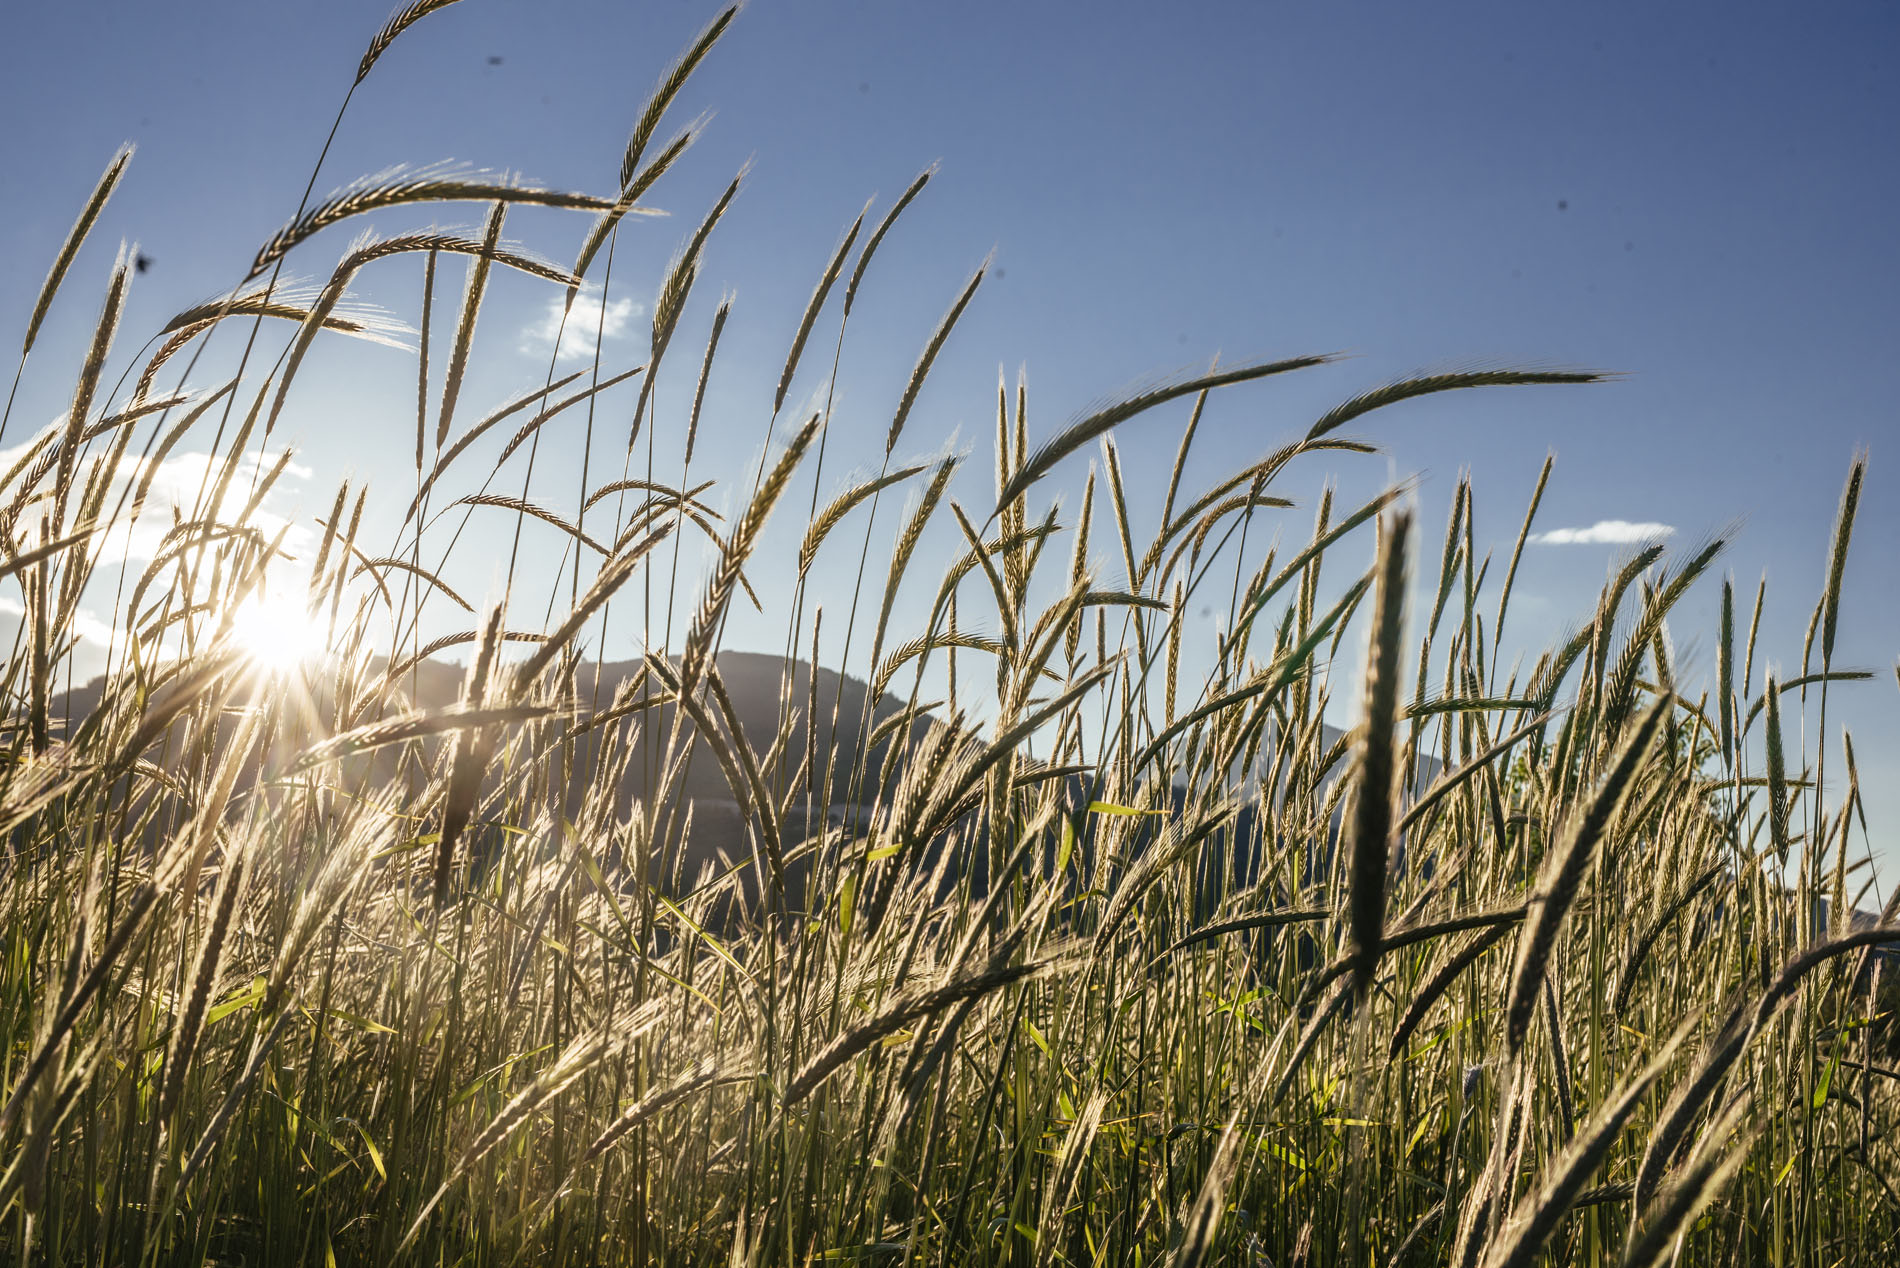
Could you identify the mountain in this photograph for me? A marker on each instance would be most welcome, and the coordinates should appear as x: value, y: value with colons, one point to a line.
x: 760, y: 692
x: 757, y: 686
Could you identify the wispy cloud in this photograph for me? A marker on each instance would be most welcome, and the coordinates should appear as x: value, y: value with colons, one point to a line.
x: 587, y: 318
x: 1604, y: 532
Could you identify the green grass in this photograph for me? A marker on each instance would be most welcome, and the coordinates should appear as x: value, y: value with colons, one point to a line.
x: 312, y: 966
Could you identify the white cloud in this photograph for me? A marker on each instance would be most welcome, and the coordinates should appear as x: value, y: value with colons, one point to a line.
x: 86, y: 625
x: 587, y: 318
x: 1610, y: 532
x: 177, y: 484
x: 180, y: 477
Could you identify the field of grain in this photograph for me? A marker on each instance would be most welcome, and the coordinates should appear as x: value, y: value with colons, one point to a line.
x: 1035, y: 949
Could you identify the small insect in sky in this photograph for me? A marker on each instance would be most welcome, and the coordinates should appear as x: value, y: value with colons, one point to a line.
x: 142, y: 262
x: 494, y: 59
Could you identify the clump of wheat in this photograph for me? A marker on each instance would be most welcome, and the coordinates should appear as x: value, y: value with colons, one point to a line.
x: 1036, y: 947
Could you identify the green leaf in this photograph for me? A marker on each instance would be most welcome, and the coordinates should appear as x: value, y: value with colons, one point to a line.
x: 374, y: 1027
x: 375, y: 1154
x: 1110, y: 808
x: 1827, y: 1078
x: 244, y: 997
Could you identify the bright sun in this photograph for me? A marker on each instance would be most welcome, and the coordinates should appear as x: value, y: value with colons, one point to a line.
x: 276, y: 631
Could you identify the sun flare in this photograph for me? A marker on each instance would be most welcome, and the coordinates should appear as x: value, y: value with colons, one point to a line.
x: 276, y: 632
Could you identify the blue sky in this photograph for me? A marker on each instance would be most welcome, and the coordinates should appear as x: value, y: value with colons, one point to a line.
x: 1699, y: 196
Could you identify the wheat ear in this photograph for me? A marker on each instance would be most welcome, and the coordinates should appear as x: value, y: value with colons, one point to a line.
x: 841, y: 506
x: 1406, y: 389
x: 468, y: 756
x: 1539, y: 1213
x: 1705, y: 1178
x: 667, y: 89
x: 399, y: 21
x: 739, y: 546
x: 813, y: 308
x: 1564, y: 873
x: 647, y: 1107
x: 75, y: 238
x: 921, y: 370
x: 611, y: 577
x: 399, y: 189
x: 705, y: 374
x: 88, y: 384
x: 1441, y: 982
x: 877, y: 235
x: 1777, y: 770
x: 580, y: 1057
x: 1837, y: 557
x: 1081, y: 432
x: 895, y: 1017
x: 204, y: 978
x: 1372, y: 817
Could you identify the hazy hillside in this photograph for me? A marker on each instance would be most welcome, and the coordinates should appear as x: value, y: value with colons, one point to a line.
x: 761, y: 698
